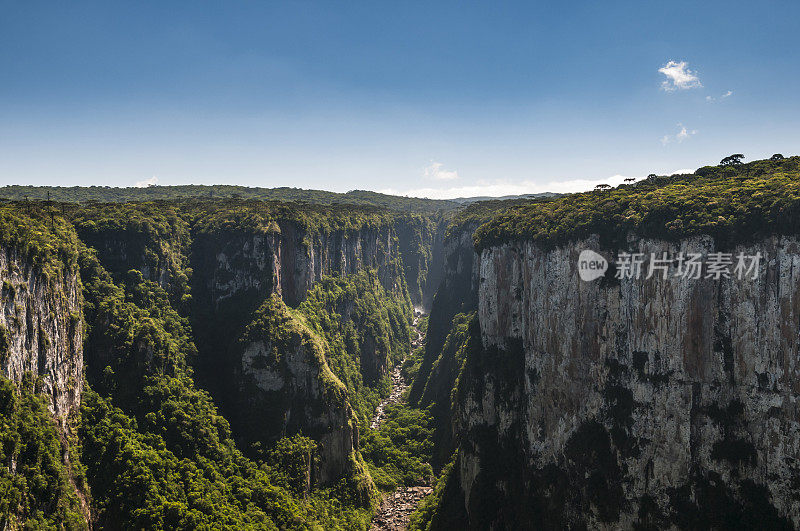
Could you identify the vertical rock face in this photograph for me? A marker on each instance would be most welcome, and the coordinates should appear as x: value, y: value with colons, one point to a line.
x: 239, y: 265
x: 286, y: 387
x: 421, y: 242
x: 635, y: 401
x: 286, y: 261
x: 42, y: 331
x: 306, y: 258
x: 457, y: 292
x: 269, y: 392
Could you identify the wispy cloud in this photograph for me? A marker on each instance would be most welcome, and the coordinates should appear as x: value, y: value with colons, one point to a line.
x: 726, y: 95
x: 679, y: 77
x: 152, y: 181
x: 435, y: 170
x: 499, y: 188
x: 680, y: 136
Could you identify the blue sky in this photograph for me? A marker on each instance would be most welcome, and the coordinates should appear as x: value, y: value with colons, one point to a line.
x: 440, y: 99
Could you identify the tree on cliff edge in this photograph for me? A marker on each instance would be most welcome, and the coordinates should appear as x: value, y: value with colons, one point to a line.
x: 732, y: 160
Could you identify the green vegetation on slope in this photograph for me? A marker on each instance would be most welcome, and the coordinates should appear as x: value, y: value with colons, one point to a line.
x: 730, y: 203
x: 440, y: 384
x: 366, y: 329
x: 41, y: 237
x: 35, y: 489
x: 429, y: 514
x: 157, y: 452
x: 411, y: 364
x: 292, y: 351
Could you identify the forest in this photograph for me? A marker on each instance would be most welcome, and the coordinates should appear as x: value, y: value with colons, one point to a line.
x: 731, y: 203
x: 107, y: 194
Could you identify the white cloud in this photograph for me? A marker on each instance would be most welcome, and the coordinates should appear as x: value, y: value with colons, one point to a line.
x: 501, y: 188
x: 435, y: 170
x: 712, y: 99
x: 680, y: 136
x: 679, y: 77
x: 152, y: 181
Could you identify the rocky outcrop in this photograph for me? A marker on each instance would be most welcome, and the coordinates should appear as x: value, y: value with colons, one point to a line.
x: 286, y: 387
x: 235, y: 271
x: 631, y: 402
x: 41, y: 330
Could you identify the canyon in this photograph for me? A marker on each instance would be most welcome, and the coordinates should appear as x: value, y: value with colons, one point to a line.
x: 275, y: 347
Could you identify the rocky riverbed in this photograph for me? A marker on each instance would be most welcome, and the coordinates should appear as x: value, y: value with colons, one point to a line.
x: 396, y: 508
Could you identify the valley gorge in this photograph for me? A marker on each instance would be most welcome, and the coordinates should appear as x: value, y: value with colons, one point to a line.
x: 217, y: 363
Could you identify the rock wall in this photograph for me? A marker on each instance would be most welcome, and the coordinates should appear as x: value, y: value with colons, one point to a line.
x: 265, y: 398
x: 286, y: 261
x: 647, y: 402
x: 421, y: 240
x: 42, y: 331
x: 158, y: 256
x: 457, y: 293
x: 286, y: 387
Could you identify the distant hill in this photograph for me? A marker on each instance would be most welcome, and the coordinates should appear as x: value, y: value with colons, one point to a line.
x: 107, y: 194
x: 468, y: 200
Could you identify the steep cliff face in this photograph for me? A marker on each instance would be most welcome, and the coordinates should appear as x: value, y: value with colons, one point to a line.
x: 286, y: 387
x: 242, y: 274
x: 446, y: 336
x: 421, y: 241
x: 42, y: 330
x: 285, y: 260
x: 635, y: 401
x: 457, y: 293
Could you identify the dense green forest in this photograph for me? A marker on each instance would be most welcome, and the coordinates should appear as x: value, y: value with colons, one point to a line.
x: 106, y: 194
x: 35, y: 483
x: 731, y: 203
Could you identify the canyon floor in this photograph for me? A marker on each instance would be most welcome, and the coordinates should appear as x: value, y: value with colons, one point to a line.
x: 396, y: 508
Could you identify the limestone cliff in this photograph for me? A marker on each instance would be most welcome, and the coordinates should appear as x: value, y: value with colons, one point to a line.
x: 42, y: 329
x: 631, y: 402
